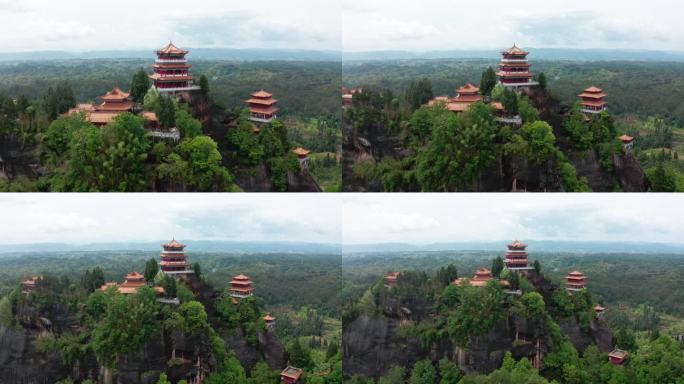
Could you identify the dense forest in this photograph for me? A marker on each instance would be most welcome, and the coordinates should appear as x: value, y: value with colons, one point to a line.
x: 40, y: 149
x: 644, y: 102
x: 86, y: 328
x: 427, y: 312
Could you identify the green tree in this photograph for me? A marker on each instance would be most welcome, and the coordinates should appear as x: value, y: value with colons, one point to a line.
x: 166, y: 112
x: 509, y: 99
x: 423, y: 372
x: 299, y: 356
x: 197, y: 269
x: 60, y: 132
x: 129, y: 323
x: 204, y: 85
x: 661, y: 179
x: 262, y: 374
x: 139, y: 86
x: 541, y: 78
x: 448, y: 371
x: 459, y: 149
x: 197, y: 166
x: 497, y: 266
x: 488, y: 82
x: 151, y: 269
x: 187, y: 125
x: 395, y: 375
x: 533, y: 304
x: 419, y: 93
x: 195, y: 317
x: 163, y: 379
x: 170, y: 286
x: 151, y: 99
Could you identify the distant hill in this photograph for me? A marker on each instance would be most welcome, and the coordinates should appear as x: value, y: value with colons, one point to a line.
x: 536, y: 53
x: 534, y: 246
x: 195, y: 54
x: 192, y: 246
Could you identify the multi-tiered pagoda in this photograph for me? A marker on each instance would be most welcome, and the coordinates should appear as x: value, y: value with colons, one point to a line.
x: 593, y: 100
x: 263, y: 108
x: 241, y: 287
x: 174, y: 260
x: 516, y: 256
x: 172, y: 71
x: 514, y: 69
x: 575, y: 282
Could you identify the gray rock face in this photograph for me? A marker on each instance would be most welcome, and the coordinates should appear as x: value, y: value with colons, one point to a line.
x: 21, y: 363
x: 268, y: 348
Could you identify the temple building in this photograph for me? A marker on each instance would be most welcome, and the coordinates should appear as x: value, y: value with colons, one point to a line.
x: 516, y: 256
x: 466, y: 96
x: 514, y: 69
x: 600, y: 311
x: 348, y: 96
x: 618, y: 356
x: 114, y: 103
x: 241, y: 287
x: 303, y: 156
x: 28, y: 285
x: 391, y: 278
x: 263, y: 108
x: 132, y: 282
x: 575, y: 282
x: 593, y: 100
x: 291, y: 375
x: 627, y: 142
x: 172, y: 71
x: 481, y: 278
x: 174, y: 261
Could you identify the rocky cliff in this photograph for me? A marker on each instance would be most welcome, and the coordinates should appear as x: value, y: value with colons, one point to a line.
x: 374, y: 344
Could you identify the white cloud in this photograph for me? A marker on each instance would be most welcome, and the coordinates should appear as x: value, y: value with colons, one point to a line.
x: 89, y: 218
x: 494, y: 24
x: 494, y: 217
x: 128, y: 24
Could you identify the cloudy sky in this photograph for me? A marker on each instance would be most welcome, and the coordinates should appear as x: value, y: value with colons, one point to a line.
x: 493, y: 24
x: 78, y: 25
x: 435, y: 218
x: 94, y: 218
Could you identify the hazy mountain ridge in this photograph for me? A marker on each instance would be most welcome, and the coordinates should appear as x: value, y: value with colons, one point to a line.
x: 534, y: 246
x: 537, y: 53
x: 195, y: 54
x: 192, y: 246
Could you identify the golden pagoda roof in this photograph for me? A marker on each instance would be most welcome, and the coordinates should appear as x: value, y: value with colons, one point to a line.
x: 174, y: 243
x: 625, y: 138
x: 261, y: 94
x: 115, y: 94
x: 468, y: 88
x: 514, y: 50
x: 170, y: 48
x: 292, y: 372
x: 299, y: 151
x: 269, y: 318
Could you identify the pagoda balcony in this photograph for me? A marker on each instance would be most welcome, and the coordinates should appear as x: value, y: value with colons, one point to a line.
x: 516, y: 120
x: 514, y: 60
x: 179, y: 272
x: 262, y: 119
x: 167, y: 61
x: 519, y: 84
x: 178, y: 89
x: 593, y: 110
x: 241, y: 295
x: 174, y: 252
